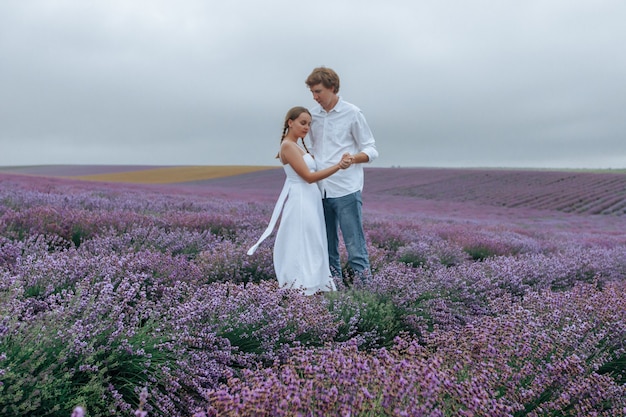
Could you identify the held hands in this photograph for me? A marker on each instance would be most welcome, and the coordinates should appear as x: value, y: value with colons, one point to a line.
x: 346, y: 161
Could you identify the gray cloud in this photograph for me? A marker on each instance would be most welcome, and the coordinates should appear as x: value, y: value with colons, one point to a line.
x: 448, y: 83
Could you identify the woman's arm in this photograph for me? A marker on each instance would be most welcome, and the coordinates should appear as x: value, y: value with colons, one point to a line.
x: 292, y: 155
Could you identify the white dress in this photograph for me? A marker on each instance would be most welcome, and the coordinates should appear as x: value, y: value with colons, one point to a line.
x: 300, y: 248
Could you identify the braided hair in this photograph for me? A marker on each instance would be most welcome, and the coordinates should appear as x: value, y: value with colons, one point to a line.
x: 293, y: 114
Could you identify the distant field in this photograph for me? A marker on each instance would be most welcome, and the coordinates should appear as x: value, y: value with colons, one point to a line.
x: 581, y: 192
x: 137, y: 174
x: 567, y: 191
x: 172, y: 175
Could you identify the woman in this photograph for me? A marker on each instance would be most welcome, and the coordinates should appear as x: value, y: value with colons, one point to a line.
x: 300, y: 248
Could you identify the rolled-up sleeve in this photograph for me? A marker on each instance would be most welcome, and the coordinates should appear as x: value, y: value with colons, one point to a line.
x: 364, y: 137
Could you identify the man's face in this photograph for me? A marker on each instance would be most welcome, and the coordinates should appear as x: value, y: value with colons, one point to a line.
x: 326, y: 97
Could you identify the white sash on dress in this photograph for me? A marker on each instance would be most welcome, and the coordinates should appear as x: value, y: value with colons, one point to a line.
x: 275, y: 214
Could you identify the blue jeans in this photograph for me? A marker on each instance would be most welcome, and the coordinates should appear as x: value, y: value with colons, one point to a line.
x: 345, y: 213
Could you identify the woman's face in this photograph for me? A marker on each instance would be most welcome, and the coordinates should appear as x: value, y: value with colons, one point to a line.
x: 300, y: 125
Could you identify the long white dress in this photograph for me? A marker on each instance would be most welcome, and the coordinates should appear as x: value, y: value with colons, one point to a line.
x: 300, y: 248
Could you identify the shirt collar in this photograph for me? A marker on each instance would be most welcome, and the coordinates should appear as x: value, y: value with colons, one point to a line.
x: 337, y: 107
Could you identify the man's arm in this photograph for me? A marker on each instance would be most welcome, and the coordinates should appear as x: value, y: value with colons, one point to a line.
x: 360, y: 158
x: 365, y: 141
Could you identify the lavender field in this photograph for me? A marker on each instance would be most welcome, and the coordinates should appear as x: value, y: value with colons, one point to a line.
x: 495, y: 293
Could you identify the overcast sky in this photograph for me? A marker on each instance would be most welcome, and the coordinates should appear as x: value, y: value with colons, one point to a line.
x: 443, y: 83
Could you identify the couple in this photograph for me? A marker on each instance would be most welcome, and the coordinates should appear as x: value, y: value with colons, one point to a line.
x: 306, y: 249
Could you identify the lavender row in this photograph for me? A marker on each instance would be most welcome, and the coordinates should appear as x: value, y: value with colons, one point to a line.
x: 567, y: 191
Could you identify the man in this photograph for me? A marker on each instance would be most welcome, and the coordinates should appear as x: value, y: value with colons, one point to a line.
x: 339, y: 127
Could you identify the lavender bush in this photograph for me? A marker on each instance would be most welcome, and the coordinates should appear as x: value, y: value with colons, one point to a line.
x: 122, y: 300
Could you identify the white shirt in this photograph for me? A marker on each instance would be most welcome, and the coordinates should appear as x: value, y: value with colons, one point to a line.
x: 343, y: 129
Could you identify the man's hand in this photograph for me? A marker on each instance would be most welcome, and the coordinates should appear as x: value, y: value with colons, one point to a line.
x: 346, y: 161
